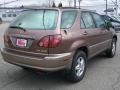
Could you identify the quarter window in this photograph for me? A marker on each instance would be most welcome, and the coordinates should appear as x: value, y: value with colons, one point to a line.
x: 68, y: 19
x: 88, y: 20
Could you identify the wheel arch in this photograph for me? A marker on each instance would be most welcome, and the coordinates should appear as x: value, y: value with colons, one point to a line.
x: 83, y: 48
x: 115, y: 37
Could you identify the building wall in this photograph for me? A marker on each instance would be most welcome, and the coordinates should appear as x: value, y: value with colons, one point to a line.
x: 9, y: 15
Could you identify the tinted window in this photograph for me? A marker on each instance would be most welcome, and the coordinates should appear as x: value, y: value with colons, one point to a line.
x: 87, y: 18
x: 98, y: 20
x: 68, y: 19
x: 37, y: 19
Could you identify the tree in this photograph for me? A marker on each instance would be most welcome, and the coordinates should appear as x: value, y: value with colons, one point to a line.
x: 53, y: 4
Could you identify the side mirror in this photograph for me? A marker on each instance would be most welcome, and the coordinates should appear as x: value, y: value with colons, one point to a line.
x: 109, y: 25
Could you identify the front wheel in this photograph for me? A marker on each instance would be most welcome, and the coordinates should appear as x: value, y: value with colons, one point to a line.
x: 78, y: 67
x: 112, y: 51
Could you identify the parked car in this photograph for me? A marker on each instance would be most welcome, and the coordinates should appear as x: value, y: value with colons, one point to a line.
x: 58, y: 39
x: 0, y: 20
x: 114, y: 22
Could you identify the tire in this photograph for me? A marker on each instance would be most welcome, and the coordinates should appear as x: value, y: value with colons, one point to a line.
x: 25, y: 68
x: 78, y: 68
x: 112, y: 50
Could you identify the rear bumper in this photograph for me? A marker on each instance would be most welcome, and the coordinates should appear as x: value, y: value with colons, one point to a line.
x: 50, y: 63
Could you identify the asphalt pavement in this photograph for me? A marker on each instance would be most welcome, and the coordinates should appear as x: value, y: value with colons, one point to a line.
x: 102, y: 74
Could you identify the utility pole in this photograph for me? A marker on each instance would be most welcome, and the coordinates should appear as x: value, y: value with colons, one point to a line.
x: 79, y: 3
x: 74, y: 3
x: 4, y: 3
x: 116, y: 7
x: 106, y: 7
x: 70, y: 2
x: 49, y: 3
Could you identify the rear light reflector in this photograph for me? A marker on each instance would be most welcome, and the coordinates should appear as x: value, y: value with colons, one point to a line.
x: 50, y: 41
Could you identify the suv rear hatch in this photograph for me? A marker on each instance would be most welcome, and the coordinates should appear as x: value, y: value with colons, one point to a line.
x: 31, y: 31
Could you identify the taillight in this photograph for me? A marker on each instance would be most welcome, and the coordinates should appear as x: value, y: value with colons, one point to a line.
x: 50, y: 41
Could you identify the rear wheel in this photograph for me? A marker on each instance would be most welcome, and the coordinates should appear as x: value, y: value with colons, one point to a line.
x: 112, y: 50
x: 78, y: 67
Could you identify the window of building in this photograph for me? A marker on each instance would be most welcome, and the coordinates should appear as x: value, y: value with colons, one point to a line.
x: 9, y: 15
x: 3, y: 15
x: 14, y: 15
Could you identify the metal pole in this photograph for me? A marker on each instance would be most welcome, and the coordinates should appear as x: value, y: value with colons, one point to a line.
x: 4, y: 3
x: 116, y: 7
x: 49, y: 3
x: 106, y: 7
x: 74, y: 3
x: 79, y: 3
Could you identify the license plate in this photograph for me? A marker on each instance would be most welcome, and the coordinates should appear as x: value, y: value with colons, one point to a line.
x: 21, y: 42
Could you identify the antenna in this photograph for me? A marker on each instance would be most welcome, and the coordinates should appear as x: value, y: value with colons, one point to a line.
x: 74, y: 3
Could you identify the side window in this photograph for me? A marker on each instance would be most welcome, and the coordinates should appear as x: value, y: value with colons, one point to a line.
x: 88, y: 20
x: 98, y: 20
x: 82, y: 25
x: 4, y: 15
x: 68, y: 19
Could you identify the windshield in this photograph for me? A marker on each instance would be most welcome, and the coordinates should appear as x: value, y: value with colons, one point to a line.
x: 37, y: 19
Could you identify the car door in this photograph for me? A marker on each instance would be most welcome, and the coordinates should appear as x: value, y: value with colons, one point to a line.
x: 91, y: 34
x: 105, y: 35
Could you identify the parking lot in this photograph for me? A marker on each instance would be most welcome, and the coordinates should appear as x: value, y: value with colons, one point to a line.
x: 102, y: 74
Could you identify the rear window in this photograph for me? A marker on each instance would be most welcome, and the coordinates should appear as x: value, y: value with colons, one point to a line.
x: 37, y: 19
x: 68, y: 19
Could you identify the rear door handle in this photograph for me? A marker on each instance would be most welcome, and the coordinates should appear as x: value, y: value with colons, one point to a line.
x: 85, y: 33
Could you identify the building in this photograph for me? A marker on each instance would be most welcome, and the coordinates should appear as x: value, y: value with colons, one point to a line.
x: 9, y: 14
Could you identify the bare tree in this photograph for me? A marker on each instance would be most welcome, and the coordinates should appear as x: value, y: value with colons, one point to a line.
x: 50, y: 2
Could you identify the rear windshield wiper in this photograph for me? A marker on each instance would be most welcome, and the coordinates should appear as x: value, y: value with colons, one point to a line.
x: 18, y: 27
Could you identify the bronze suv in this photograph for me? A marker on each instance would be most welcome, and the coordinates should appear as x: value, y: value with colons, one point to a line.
x: 55, y: 39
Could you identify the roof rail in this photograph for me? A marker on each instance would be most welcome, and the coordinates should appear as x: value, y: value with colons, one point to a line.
x: 69, y: 7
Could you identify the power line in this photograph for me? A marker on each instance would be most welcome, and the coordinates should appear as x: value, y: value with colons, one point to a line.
x: 8, y: 2
x: 99, y: 5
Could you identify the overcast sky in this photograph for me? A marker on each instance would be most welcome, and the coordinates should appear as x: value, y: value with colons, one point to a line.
x: 98, y: 5
x: 29, y: 2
